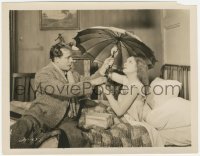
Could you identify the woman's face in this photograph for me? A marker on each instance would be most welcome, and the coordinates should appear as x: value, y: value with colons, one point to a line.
x: 130, y: 66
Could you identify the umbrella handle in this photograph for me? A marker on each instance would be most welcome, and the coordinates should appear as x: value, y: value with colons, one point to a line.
x: 110, y: 66
x: 108, y: 70
x: 113, y: 53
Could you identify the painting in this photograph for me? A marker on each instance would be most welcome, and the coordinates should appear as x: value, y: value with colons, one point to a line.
x: 59, y: 19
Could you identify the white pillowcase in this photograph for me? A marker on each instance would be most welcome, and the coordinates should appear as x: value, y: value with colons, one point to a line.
x: 173, y: 121
x: 174, y: 113
x: 162, y: 90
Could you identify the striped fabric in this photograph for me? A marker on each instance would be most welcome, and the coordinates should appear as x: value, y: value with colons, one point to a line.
x: 180, y: 73
x: 119, y: 135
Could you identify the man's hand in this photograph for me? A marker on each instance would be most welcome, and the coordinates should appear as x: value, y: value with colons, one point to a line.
x: 108, y: 62
x: 98, y: 81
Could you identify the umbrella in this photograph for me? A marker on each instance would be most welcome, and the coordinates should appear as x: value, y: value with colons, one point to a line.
x: 97, y: 42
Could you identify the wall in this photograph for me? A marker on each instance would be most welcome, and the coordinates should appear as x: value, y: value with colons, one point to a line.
x: 176, y: 36
x: 34, y: 44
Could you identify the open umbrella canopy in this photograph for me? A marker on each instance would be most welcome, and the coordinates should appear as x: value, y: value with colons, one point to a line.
x: 97, y: 42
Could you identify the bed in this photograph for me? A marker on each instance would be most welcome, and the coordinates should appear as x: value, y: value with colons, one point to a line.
x: 117, y: 134
x: 120, y: 134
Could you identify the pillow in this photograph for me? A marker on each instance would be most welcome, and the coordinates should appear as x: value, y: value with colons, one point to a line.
x: 173, y: 121
x: 175, y: 112
x: 161, y: 90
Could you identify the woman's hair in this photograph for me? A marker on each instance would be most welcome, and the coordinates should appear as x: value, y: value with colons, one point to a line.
x: 142, y: 72
x: 56, y: 50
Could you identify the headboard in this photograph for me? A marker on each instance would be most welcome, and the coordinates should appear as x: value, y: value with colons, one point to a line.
x: 180, y: 73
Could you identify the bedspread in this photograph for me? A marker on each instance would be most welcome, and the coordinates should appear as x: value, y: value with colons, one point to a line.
x: 121, y: 134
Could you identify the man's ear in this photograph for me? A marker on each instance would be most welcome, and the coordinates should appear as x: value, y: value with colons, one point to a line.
x: 56, y: 59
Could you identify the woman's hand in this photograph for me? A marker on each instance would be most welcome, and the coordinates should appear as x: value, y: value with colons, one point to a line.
x: 98, y: 81
x: 105, y: 89
x: 114, y: 51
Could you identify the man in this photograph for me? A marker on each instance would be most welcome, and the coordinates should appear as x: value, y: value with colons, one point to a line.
x: 56, y: 104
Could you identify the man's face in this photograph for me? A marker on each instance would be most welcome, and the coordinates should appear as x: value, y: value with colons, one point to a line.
x: 64, y: 62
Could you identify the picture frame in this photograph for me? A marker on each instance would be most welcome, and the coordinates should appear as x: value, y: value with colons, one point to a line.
x: 59, y: 19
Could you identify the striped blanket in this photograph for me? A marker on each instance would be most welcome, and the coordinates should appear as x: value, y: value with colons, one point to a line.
x: 121, y: 134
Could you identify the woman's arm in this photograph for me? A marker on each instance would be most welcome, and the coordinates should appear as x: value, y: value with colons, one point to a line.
x: 48, y: 84
x: 121, y: 108
x: 117, y: 77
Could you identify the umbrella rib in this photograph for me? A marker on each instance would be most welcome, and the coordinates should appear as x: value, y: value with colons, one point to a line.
x: 104, y: 48
x: 100, y: 43
x: 139, y: 47
x: 101, y: 39
x: 94, y: 34
x: 91, y: 55
x: 107, y: 32
x: 118, y: 34
x: 126, y: 48
x: 152, y: 60
x: 96, y: 38
x: 132, y: 49
x: 80, y: 45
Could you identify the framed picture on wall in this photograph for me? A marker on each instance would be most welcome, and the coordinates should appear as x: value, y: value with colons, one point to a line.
x: 59, y: 19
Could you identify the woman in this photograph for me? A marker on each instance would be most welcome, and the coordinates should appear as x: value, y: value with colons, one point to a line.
x: 131, y: 100
x: 131, y: 106
x: 128, y: 131
x: 172, y: 126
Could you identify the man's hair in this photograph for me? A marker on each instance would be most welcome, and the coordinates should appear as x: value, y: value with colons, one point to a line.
x: 56, y: 50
